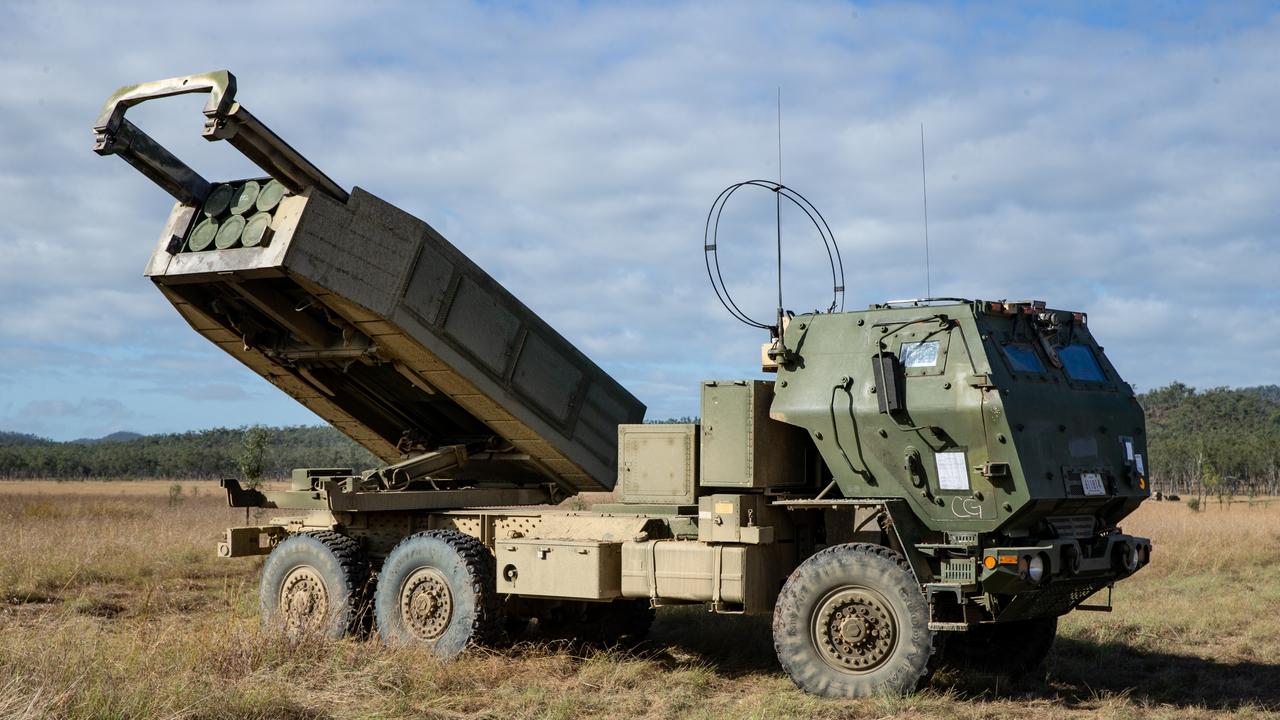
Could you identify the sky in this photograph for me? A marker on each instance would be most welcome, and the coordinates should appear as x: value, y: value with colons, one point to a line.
x: 1122, y: 160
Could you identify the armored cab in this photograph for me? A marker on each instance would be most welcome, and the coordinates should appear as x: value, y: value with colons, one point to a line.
x: 993, y: 424
x: 918, y: 472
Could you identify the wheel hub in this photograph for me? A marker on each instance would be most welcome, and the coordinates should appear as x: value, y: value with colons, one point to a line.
x: 426, y: 603
x: 304, y: 601
x: 855, y: 630
x: 852, y: 630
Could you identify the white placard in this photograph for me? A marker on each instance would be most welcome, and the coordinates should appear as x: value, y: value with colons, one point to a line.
x: 1128, y: 449
x: 1091, y: 483
x: 953, y: 472
x: 1137, y: 459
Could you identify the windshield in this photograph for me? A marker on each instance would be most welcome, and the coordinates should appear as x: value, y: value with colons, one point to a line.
x: 1023, y: 358
x: 1080, y: 363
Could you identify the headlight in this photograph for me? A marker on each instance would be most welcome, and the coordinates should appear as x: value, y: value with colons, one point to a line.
x: 1035, y: 569
x: 1125, y: 557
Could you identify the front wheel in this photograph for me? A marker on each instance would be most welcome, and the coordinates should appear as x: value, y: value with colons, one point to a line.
x: 437, y: 588
x: 851, y: 622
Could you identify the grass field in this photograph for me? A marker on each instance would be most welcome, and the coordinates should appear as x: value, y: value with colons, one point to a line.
x: 112, y: 605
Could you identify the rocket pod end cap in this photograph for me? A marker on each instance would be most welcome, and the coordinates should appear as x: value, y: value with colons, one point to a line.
x: 229, y: 234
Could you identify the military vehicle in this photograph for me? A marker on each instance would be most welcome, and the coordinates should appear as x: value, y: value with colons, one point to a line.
x: 916, y: 472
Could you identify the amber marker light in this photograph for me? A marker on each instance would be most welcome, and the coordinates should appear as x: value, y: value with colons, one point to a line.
x: 1008, y: 559
x: 989, y: 562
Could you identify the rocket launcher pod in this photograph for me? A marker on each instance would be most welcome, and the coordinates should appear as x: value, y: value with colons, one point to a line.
x: 367, y: 315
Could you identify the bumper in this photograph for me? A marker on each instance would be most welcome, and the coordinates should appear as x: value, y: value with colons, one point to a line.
x: 247, y: 541
x: 1062, y: 563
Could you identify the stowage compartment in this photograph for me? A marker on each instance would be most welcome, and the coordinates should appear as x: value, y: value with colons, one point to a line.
x: 742, y: 447
x: 578, y: 569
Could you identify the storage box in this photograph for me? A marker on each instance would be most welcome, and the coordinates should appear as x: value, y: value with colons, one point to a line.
x: 577, y: 569
x: 741, y: 518
x: 658, y: 463
x: 741, y: 446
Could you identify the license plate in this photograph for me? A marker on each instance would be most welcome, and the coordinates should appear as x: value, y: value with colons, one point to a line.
x: 1092, y: 484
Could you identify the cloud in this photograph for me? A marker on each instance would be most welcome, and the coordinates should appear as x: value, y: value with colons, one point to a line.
x: 1117, y: 162
x: 53, y: 418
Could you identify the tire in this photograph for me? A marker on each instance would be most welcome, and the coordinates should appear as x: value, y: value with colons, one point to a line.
x: 437, y: 588
x: 1011, y: 648
x: 313, y: 583
x: 851, y: 621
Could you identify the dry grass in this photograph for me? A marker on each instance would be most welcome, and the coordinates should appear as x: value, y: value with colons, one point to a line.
x: 113, y: 607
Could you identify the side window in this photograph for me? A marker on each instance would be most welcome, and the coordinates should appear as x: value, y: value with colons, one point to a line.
x: 919, y: 354
x: 1080, y: 363
x: 923, y: 354
x: 1023, y: 358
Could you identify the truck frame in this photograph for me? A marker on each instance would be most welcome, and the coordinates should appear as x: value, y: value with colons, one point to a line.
x: 922, y: 480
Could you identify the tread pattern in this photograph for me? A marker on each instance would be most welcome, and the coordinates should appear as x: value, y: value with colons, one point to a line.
x: 900, y: 561
x: 937, y: 647
x: 355, y: 572
x: 482, y: 579
x: 352, y: 577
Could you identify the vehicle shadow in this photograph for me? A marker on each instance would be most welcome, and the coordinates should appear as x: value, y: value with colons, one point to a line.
x: 1077, y: 672
x: 731, y: 645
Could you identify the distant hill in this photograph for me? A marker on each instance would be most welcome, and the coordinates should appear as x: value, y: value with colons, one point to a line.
x: 201, y: 454
x: 121, y: 436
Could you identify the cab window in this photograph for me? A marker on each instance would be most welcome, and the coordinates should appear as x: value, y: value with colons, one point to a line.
x: 919, y: 354
x: 1080, y: 363
x: 1023, y: 358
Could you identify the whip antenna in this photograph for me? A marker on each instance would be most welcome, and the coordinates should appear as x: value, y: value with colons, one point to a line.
x: 710, y: 244
x: 924, y: 187
x: 777, y: 205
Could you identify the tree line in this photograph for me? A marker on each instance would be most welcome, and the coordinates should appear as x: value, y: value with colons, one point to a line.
x: 1220, y: 441
x: 203, y: 454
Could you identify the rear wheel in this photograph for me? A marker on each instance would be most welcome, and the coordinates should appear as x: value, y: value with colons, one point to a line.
x: 313, y: 583
x: 438, y: 588
x: 1011, y: 648
x: 851, y: 622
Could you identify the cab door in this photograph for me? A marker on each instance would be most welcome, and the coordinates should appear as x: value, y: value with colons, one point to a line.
x: 944, y: 417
